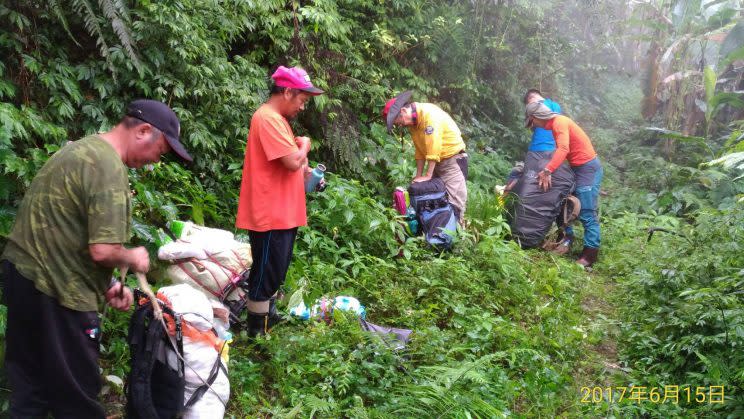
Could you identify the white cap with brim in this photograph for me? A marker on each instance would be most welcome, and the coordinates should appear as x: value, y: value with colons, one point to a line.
x: 537, y: 110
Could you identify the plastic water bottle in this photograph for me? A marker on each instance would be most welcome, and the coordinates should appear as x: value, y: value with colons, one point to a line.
x: 180, y: 228
x: 412, y: 222
x: 311, y: 182
x: 221, y: 328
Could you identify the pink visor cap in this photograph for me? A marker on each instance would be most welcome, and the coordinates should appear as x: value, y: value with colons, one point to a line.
x: 294, y: 78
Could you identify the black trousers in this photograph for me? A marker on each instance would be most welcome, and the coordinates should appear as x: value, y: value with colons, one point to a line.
x: 51, y: 354
x: 271, y: 251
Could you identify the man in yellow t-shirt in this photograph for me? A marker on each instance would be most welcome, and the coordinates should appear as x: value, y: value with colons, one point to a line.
x: 438, y: 144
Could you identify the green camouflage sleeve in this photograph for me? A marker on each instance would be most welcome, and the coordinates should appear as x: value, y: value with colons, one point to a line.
x: 108, y: 217
x: 108, y: 200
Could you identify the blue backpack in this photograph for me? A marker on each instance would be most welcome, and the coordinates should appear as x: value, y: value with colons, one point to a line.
x: 435, y: 214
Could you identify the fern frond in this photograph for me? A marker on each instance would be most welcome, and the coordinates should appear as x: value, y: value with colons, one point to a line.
x: 317, y: 404
x: 57, y: 9
x: 123, y: 10
x: 91, y: 24
x: 445, y: 391
x: 113, y: 12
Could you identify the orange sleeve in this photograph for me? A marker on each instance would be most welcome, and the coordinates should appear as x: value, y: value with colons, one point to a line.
x: 276, y: 138
x: 561, y: 136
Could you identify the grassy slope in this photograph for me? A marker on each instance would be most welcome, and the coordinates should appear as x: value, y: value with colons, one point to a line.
x: 498, y: 331
x: 542, y: 330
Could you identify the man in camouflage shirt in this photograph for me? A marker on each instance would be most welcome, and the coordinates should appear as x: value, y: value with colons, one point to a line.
x: 57, y: 265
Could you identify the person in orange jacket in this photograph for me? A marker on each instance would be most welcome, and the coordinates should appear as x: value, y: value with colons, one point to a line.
x: 574, y: 145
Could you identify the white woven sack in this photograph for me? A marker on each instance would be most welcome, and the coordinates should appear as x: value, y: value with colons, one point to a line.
x: 202, y: 357
x: 211, y: 275
x: 198, y: 355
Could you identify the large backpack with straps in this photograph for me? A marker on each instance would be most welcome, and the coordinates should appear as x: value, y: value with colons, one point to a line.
x: 435, y: 214
x: 157, y: 384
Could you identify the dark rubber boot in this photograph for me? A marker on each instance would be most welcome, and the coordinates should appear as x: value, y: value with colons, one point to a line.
x: 257, y: 324
x: 588, y: 257
x: 274, y: 316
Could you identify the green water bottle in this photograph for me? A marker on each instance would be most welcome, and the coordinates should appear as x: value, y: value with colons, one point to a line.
x: 313, y: 179
x: 180, y: 228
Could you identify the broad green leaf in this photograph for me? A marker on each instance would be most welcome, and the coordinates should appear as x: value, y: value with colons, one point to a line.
x: 197, y: 213
x: 733, y: 41
x: 734, y: 99
x: 735, y: 55
x: 709, y: 80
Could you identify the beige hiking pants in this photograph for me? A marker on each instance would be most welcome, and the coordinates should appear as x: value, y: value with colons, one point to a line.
x: 453, y: 171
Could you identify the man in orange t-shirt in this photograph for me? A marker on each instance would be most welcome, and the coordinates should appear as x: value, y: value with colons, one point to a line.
x: 272, y: 193
x: 574, y: 145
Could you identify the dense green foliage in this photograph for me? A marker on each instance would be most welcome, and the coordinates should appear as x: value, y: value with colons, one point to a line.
x: 210, y: 61
x: 498, y: 331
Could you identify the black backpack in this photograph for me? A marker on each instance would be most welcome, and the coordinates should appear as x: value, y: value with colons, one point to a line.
x: 155, y: 389
x: 156, y: 383
x: 435, y: 214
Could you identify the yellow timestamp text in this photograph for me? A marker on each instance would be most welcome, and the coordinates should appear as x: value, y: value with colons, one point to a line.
x: 666, y: 394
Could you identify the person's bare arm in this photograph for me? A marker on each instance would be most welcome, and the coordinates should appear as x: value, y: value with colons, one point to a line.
x: 114, y: 255
x: 429, y: 172
x: 298, y: 159
x: 420, y: 167
x: 117, y: 256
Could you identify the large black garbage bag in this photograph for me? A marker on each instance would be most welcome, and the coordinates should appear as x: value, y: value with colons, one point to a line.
x: 533, y: 211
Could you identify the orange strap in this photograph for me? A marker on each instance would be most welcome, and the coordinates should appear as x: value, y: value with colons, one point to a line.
x: 208, y: 336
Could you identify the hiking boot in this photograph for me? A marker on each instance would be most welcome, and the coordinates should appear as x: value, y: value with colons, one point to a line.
x: 275, y: 317
x: 563, y: 244
x: 588, y: 257
x: 258, y: 324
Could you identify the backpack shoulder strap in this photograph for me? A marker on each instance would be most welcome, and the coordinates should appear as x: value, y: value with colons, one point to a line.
x: 147, y: 339
x: 145, y: 342
x: 202, y: 389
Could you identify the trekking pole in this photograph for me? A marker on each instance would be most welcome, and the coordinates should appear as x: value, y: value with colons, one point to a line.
x: 157, y: 312
x: 122, y: 278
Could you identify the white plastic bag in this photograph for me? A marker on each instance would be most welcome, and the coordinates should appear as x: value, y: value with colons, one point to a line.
x: 199, y: 356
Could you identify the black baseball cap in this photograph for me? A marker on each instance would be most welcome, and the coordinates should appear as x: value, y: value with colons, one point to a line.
x: 159, y: 115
